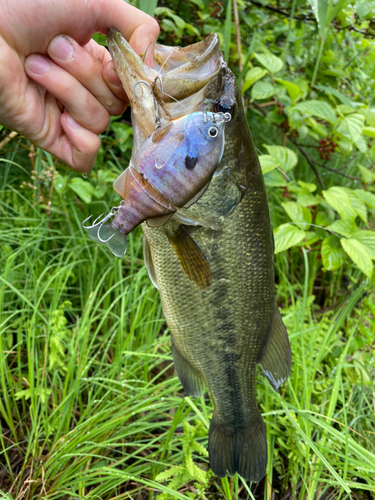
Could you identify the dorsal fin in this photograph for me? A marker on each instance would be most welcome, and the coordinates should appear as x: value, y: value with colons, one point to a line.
x: 191, y: 258
x: 148, y: 262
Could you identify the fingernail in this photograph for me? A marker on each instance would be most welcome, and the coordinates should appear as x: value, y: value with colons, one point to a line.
x: 113, y: 76
x: 61, y: 47
x: 71, y: 122
x: 37, y: 64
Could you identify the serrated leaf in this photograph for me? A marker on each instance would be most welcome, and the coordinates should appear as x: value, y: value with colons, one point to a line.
x: 321, y: 109
x: 252, y: 76
x: 339, y: 200
x: 369, y: 116
x: 345, y: 227
x: 333, y: 256
x: 367, y: 175
x: 367, y: 238
x: 298, y: 214
x: 358, y: 254
x: 286, y: 236
x: 267, y: 163
x: 263, y: 90
x: 358, y: 206
x: 292, y: 89
x: 332, y: 91
x: 370, y: 131
x: 306, y: 199
x: 366, y: 196
x: 351, y: 126
x: 361, y: 144
x: 319, y: 128
x: 285, y: 157
x: 82, y: 188
x: 311, y: 237
x: 272, y: 63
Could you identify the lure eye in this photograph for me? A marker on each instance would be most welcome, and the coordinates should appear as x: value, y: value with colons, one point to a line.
x: 213, y: 131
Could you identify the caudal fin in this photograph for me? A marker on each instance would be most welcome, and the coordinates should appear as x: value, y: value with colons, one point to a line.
x: 243, y: 451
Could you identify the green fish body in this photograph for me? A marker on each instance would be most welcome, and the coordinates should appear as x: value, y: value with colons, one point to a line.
x: 213, y: 266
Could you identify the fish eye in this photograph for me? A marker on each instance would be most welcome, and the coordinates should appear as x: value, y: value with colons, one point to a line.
x: 224, y: 107
x: 213, y: 131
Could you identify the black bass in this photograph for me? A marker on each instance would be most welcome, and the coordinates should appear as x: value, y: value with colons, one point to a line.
x: 223, y: 326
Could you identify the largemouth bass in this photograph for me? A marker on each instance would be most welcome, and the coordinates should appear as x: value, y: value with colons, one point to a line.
x: 221, y: 327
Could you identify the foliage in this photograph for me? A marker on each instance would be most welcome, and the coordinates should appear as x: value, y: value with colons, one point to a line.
x: 89, y: 405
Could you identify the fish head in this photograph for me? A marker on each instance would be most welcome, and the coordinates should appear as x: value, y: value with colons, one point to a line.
x: 184, y: 74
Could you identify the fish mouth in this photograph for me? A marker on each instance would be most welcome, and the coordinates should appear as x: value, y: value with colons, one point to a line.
x: 185, y: 74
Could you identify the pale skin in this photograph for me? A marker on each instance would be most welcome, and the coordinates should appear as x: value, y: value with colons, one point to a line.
x: 58, y: 87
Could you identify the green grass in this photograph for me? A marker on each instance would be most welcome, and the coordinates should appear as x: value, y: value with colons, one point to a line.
x: 91, y: 408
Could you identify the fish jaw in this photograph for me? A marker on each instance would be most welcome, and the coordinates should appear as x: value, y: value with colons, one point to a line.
x: 183, y: 72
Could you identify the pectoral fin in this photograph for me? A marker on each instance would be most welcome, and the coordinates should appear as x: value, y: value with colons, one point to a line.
x: 190, y: 379
x: 277, y: 357
x: 148, y: 262
x: 191, y: 258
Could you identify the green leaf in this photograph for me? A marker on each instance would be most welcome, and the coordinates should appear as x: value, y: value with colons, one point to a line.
x: 322, y: 219
x: 358, y: 254
x: 275, y: 179
x: 339, y: 200
x: 367, y: 238
x: 284, y: 157
x: 310, y: 186
x: 361, y: 144
x: 263, y: 90
x: 321, y: 109
x: 369, y: 116
x: 364, y: 8
x: 60, y: 183
x: 319, y: 8
x: 351, y: 126
x: 333, y: 256
x: 286, y: 236
x: 332, y: 91
x: 298, y: 214
x: 358, y: 205
x: 272, y: 63
x: 292, y: 89
x: 370, y: 131
x: 252, y: 76
x: 366, y: 196
x: 367, y: 175
x: 82, y: 188
x: 345, y: 227
x: 267, y: 163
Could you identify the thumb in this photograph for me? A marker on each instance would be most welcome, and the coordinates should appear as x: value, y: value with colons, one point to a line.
x: 140, y: 29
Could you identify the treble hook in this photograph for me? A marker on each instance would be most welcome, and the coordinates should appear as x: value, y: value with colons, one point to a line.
x: 157, y: 113
x: 100, y: 224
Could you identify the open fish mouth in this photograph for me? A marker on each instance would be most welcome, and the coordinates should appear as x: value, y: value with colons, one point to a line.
x: 184, y: 72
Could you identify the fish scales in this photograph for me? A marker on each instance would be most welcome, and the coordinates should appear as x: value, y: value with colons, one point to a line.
x: 223, y: 327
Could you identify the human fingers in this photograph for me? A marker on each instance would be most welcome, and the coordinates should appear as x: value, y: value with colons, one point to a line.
x: 109, y: 74
x: 79, y: 101
x: 85, y: 64
x: 140, y: 29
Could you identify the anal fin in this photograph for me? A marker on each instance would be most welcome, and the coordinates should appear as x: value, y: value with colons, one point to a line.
x: 148, y: 262
x: 191, y: 258
x: 276, y: 358
x: 190, y: 379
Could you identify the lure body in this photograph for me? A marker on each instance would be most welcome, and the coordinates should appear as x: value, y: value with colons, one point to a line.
x: 172, y: 168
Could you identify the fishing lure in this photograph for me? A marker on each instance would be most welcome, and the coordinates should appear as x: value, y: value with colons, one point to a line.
x: 172, y: 169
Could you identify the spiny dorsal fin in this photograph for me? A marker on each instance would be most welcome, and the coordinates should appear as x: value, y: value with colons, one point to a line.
x: 148, y: 262
x: 277, y: 357
x: 190, y: 379
x: 191, y: 258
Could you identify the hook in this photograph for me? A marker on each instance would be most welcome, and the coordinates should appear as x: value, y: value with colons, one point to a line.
x: 157, y: 114
x: 98, y: 234
x: 96, y: 223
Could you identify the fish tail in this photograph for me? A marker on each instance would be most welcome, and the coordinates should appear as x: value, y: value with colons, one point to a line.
x: 243, y: 450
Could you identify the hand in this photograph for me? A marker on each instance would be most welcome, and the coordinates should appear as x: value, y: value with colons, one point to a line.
x: 58, y: 87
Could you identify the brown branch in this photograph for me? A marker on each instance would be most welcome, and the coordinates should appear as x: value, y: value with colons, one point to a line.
x: 5, y: 141
x: 310, y: 161
x: 238, y: 34
x: 282, y: 12
x: 351, y: 177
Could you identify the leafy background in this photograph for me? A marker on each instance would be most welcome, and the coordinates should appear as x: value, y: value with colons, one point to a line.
x: 90, y: 406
